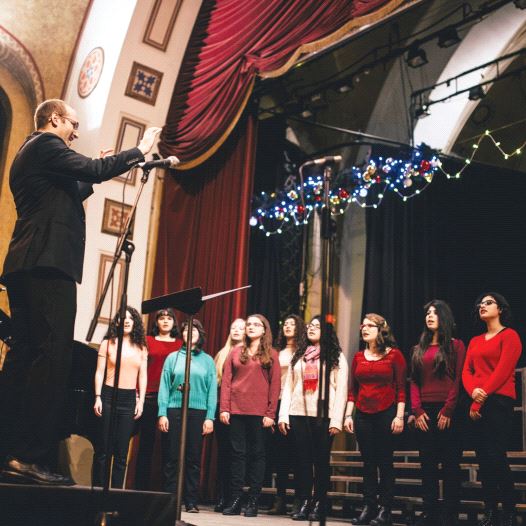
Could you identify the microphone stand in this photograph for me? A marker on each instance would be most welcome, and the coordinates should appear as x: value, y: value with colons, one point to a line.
x: 124, y: 244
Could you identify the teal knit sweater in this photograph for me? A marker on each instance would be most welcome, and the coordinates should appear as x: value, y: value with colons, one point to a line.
x: 203, y: 383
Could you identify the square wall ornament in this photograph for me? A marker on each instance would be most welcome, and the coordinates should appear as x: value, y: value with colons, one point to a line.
x: 161, y: 23
x: 129, y: 136
x: 144, y: 83
x: 114, y: 218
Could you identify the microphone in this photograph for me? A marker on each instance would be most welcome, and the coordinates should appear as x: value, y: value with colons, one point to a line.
x: 169, y: 162
x: 323, y: 160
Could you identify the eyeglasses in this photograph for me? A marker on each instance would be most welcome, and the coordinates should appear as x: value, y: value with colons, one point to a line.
x: 316, y: 326
x: 74, y: 123
x: 368, y: 326
x: 486, y: 303
x: 254, y: 324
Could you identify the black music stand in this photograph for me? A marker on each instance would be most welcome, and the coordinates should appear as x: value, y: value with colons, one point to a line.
x: 190, y: 302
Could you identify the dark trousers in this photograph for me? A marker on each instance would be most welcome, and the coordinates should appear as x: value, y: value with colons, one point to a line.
x: 148, y: 431
x: 123, y: 431
x: 313, y: 441
x: 247, y: 442
x: 375, y: 438
x: 194, y: 446
x: 33, y: 383
x: 439, y: 447
x: 222, y: 435
x: 491, y: 434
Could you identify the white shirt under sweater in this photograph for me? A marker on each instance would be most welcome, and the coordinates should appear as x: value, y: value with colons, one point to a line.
x: 297, y: 403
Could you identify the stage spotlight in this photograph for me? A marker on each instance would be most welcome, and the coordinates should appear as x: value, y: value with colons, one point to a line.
x: 416, y: 56
x: 476, y: 93
x: 521, y: 4
x: 448, y: 37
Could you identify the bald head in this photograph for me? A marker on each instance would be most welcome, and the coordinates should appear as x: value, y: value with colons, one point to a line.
x: 47, y: 108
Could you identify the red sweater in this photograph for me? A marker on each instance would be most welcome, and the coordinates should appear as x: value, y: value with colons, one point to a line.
x: 248, y: 389
x: 433, y: 389
x: 490, y: 364
x: 377, y: 384
x: 157, y: 353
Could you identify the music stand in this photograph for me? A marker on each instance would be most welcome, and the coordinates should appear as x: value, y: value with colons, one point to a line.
x: 190, y: 302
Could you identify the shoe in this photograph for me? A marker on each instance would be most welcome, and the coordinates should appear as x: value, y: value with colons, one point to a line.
x: 369, y: 512
x: 220, y: 505
x: 303, y: 513
x: 279, y: 507
x: 251, y: 509
x: 491, y: 518
x: 383, y: 518
x: 314, y: 515
x: 191, y: 508
x: 19, y: 472
x: 234, y: 508
x: 296, y: 505
x: 508, y: 518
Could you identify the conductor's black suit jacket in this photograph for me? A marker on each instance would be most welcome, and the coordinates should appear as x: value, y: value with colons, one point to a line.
x: 49, y: 181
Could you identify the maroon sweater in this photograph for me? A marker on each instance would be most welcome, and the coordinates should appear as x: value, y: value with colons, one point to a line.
x: 433, y: 389
x: 377, y: 384
x: 249, y: 389
x: 490, y: 364
x: 157, y: 353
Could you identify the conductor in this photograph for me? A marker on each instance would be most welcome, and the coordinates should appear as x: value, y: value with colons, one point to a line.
x: 44, y: 262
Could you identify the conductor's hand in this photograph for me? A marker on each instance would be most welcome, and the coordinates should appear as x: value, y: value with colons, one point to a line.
x: 225, y: 418
x: 98, y: 406
x: 284, y: 428
x: 148, y: 139
x: 163, y: 424
x: 208, y: 427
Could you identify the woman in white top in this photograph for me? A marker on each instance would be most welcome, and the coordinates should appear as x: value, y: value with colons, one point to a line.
x: 299, y: 408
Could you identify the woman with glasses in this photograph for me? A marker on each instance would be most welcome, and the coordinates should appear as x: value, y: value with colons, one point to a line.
x: 436, y: 371
x: 299, y: 409
x: 130, y: 403
x: 292, y: 337
x: 164, y: 339
x: 236, y: 336
x: 249, y: 396
x: 489, y: 379
x: 201, y: 410
x: 378, y: 376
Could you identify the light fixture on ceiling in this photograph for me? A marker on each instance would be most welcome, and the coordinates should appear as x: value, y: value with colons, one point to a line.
x: 521, y: 4
x: 416, y: 56
x: 448, y: 37
x: 476, y: 93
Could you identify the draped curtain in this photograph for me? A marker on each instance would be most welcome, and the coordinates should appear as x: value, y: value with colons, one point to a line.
x: 235, y: 40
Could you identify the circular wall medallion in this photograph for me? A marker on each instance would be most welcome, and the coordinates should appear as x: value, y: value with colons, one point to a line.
x: 90, y: 72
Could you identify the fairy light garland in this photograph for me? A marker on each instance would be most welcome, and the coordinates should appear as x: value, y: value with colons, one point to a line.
x: 364, y: 186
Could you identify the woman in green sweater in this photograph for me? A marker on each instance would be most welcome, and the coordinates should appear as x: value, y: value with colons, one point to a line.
x: 201, y: 411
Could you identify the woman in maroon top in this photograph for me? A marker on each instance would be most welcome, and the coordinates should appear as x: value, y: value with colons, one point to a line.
x: 489, y: 379
x: 436, y: 371
x: 378, y: 376
x: 163, y: 340
x: 249, y: 397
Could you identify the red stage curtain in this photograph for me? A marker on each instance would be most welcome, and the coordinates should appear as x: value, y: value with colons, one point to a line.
x: 235, y: 40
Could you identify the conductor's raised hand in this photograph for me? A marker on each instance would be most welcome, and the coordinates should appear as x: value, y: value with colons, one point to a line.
x: 148, y: 139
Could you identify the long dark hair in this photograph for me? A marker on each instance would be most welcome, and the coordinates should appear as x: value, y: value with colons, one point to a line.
x: 385, y: 339
x: 263, y: 353
x: 137, y: 335
x: 502, y: 303
x: 174, y: 333
x: 202, y: 334
x: 445, y: 359
x: 333, y: 346
x: 300, y: 334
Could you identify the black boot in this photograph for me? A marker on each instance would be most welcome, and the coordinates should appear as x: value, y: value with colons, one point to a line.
x: 368, y: 513
x: 252, y: 507
x: 491, y: 518
x: 279, y: 507
x: 234, y: 508
x: 220, y: 505
x: 314, y: 515
x: 296, y: 505
x: 508, y: 518
x: 303, y: 512
x: 383, y: 518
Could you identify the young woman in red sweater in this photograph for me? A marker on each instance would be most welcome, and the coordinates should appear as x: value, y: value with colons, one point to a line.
x: 436, y: 371
x: 489, y: 379
x: 378, y: 376
x: 249, y: 396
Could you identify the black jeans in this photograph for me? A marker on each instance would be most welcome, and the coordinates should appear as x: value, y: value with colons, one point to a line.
x: 247, y: 442
x: 33, y: 383
x: 375, y: 438
x: 439, y: 447
x: 222, y: 435
x: 123, y: 431
x: 194, y: 446
x: 312, y: 439
x: 148, y: 430
x: 491, y: 435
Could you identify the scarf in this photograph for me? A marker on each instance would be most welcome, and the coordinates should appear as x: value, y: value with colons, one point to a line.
x: 310, y: 374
